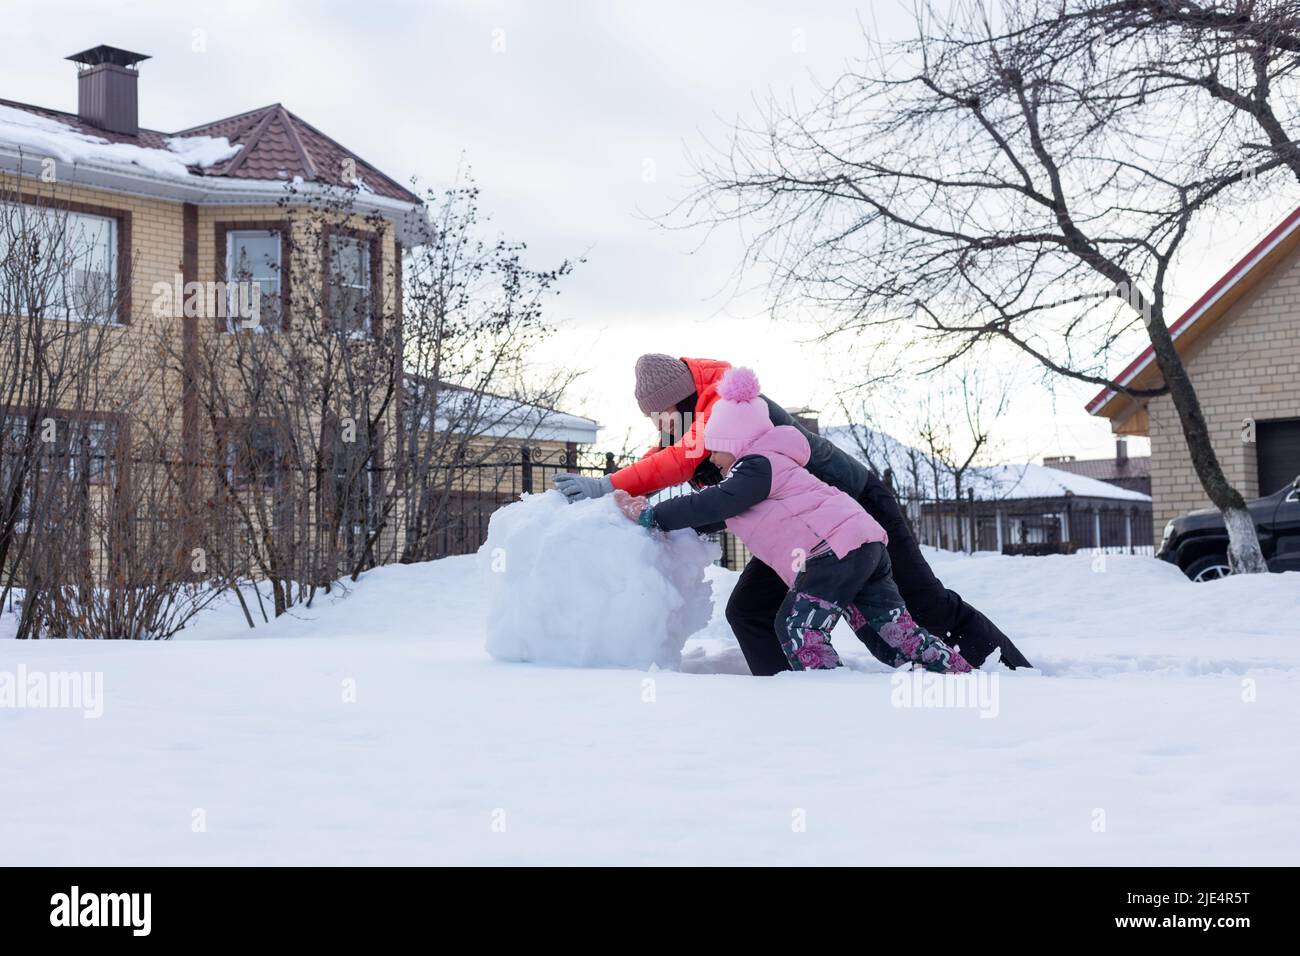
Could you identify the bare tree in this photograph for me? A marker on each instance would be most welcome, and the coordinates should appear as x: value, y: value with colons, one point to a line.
x: 949, y: 436
x: 977, y: 185
x: 338, y: 408
x: 956, y: 427
x: 89, y: 542
x: 299, y: 365
x: 472, y: 312
x: 346, y: 422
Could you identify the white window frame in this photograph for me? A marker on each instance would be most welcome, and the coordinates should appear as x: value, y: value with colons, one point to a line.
x: 65, y: 458
x: 232, y: 317
x: 70, y: 220
x: 365, y: 287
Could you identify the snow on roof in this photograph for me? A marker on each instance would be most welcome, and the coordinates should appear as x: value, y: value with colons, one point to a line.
x: 541, y: 424
x: 1009, y: 482
x: 1039, y: 481
x: 45, y: 136
x: 498, y: 416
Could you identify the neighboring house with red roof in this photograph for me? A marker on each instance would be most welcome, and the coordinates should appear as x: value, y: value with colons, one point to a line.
x: 1240, y: 342
x: 1122, y: 471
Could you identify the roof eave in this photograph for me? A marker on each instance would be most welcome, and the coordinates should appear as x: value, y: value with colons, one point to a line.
x: 215, y: 190
x: 1103, y: 404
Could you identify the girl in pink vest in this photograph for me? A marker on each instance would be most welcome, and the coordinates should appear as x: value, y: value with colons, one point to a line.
x: 828, y: 550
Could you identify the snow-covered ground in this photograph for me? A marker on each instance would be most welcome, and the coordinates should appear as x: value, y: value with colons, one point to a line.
x: 1160, y: 729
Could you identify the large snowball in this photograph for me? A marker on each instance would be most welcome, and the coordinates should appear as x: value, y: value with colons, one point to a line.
x: 581, y: 585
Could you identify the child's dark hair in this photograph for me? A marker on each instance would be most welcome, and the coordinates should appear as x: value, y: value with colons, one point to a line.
x: 706, y: 475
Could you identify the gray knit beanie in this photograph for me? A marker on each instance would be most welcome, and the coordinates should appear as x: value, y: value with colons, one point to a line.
x: 661, y: 382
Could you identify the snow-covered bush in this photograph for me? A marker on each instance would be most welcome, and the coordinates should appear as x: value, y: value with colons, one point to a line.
x: 580, y: 585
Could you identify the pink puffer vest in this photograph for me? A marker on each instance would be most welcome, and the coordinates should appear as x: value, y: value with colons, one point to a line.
x: 801, y: 511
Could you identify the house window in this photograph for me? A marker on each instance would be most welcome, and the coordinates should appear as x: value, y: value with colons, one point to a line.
x: 11, y: 468
x: 59, y: 453
x: 354, y: 478
x: 349, y: 284
x: 75, y: 447
x: 252, y: 455
x: 98, y: 441
x: 253, y: 258
x: 58, y: 264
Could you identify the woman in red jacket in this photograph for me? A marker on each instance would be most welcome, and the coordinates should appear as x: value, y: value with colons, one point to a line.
x: 679, y: 394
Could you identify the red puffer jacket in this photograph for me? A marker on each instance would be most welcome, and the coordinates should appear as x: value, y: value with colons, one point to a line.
x: 662, y: 468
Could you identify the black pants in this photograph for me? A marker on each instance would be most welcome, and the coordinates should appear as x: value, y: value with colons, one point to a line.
x: 757, y: 598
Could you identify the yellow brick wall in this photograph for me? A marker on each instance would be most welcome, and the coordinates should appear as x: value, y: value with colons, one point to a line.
x: 140, y: 373
x: 1248, y: 368
x: 304, y: 271
x: 156, y: 239
x: 157, y: 233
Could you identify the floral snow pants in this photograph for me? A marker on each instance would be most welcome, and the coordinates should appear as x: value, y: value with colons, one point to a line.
x: 861, y: 586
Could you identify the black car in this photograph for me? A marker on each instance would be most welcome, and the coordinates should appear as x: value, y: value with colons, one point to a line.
x: 1198, y: 541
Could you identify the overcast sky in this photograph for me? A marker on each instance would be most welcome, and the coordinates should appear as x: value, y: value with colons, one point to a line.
x: 576, y: 118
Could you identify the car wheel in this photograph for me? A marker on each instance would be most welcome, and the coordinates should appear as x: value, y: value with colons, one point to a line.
x: 1209, y: 568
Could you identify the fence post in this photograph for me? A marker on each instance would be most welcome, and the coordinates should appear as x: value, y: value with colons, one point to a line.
x: 1096, y: 527
x: 970, y: 497
x: 1128, y: 529
x: 526, y: 469
x: 998, y: 519
x: 610, y: 467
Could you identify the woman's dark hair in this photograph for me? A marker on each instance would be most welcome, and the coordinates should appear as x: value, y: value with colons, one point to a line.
x: 685, y: 410
x: 706, y: 472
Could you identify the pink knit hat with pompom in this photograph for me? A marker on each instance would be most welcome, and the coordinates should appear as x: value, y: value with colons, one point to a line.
x: 739, y: 417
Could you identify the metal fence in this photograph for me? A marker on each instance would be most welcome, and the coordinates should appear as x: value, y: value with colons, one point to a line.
x: 1060, y: 525
x: 460, y: 498
x: 450, y: 512
x: 1064, y: 525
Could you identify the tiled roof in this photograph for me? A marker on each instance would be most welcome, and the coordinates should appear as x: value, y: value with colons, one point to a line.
x: 1106, y: 469
x: 277, y: 146
x: 148, y: 137
x: 280, y: 145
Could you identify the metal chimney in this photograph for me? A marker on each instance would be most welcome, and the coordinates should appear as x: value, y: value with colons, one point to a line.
x: 106, y: 89
x: 1121, y: 450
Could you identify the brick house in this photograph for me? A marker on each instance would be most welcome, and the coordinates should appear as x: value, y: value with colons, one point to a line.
x: 237, y: 202
x: 1241, y: 344
x: 250, y: 199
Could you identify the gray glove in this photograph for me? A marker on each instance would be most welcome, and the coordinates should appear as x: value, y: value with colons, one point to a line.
x: 577, y: 487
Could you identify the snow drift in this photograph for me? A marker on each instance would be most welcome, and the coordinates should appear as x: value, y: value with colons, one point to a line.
x: 580, y: 585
